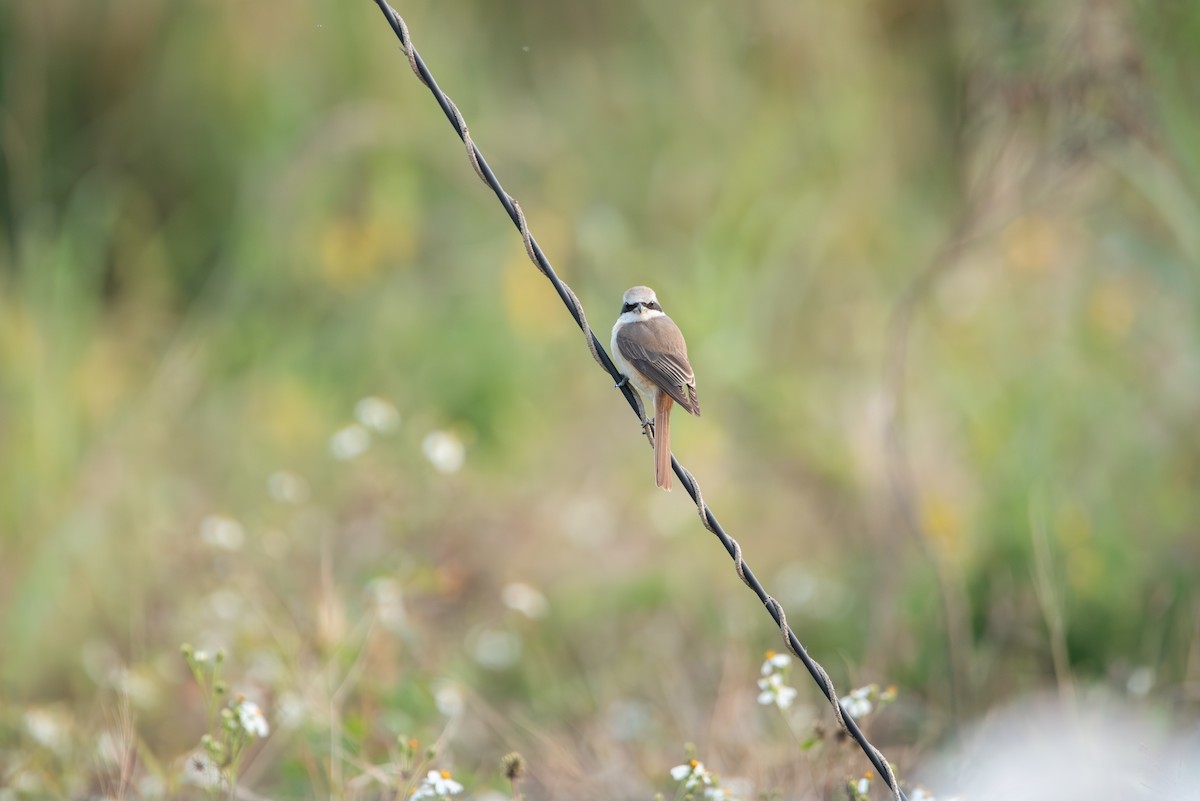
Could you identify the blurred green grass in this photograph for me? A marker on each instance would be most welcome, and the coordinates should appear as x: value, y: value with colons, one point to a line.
x: 223, y: 224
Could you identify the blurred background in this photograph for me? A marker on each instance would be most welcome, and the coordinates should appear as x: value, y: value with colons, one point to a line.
x: 277, y: 377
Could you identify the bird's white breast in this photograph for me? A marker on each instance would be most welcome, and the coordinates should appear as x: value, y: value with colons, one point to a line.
x: 635, y: 376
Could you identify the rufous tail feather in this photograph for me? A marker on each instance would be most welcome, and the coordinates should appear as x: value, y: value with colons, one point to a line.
x: 662, y: 440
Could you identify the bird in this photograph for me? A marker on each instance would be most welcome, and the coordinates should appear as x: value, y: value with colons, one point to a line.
x: 649, y: 350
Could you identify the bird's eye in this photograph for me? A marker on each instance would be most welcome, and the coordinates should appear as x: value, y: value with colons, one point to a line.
x: 628, y: 307
x: 654, y: 305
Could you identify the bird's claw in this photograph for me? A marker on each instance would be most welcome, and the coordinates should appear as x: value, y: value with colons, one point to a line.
x: 624, y: 380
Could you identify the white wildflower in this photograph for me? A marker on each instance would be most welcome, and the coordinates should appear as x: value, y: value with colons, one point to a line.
x: 200, y: 770
x: 775, y: 662
x: 494, y: 648
x: 252, y: 720
x: 774, y: 691
x: 437, y: 784
x: 858, y: 703
x: 349, y: 442
x: 444, y: 450
x: 377, y: 415
x: 47, y: 726
x: 222, y: 532
x: 526, y: 599
x: 287, y: 487
x: 860, y: 789
x: 693, y: 774
x: 449, y: 699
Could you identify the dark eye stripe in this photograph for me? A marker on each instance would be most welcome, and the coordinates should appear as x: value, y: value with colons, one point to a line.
x: 654, y: 305
x: 628, y: 307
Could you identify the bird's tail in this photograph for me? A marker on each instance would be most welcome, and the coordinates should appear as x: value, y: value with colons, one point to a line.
x: 662, y: 440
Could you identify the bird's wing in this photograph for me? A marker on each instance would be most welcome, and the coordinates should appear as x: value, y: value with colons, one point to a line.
x: 656, y: 348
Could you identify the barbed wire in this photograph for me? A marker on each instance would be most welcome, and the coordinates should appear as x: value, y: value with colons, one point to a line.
x: 709, y: 520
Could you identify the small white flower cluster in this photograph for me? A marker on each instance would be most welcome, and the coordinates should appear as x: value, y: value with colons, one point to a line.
x: 861, y: 702
x: 199, y: 770
x: 373, y: 414
x: 858, y: 703
x: 692, y: 776
x: 215, y: 762
x: 251, y: 719
x: 436, y: 784
x: 772, y: 690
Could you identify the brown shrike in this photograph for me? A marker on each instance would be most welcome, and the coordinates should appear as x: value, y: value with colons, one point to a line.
x: 649, y: 350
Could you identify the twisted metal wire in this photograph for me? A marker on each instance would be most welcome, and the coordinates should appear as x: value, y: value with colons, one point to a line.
x: 707, y: 518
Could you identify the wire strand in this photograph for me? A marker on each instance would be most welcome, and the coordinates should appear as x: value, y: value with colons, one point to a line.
x: 571, y: 301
